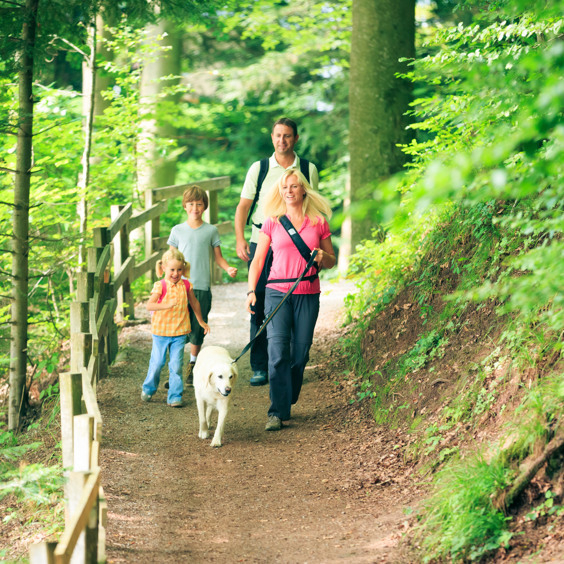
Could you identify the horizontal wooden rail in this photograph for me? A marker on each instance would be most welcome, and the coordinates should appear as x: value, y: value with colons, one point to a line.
x: 154, y: 211
x: 146, y: 265
x: 120, y: 221
x: 210, y: 185
x: 124, y: 273
x: 225, y: 227
x: 80, y: 518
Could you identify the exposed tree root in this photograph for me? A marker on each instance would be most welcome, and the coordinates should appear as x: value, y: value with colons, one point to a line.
x: 506, y: 499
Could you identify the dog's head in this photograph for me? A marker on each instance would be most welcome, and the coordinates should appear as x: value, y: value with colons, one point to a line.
x: 223, y: 378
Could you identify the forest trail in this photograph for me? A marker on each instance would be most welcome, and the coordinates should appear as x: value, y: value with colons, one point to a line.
x: 330, y: 487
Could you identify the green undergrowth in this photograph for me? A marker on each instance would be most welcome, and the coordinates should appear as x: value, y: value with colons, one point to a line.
x: 456, y: 331
x: 517, y: 382
x: 31, y: 482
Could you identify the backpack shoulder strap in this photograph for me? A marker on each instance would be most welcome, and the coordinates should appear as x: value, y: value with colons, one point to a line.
x: 263, y: 171
x: 163, y: 292
x: 300, y: 244
x: 304, y: 168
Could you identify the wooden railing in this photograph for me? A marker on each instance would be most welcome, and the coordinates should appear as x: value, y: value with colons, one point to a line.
x: 103, y: 299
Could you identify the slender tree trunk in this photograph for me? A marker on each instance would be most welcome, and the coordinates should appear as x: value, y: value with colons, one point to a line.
x: 88, y: 93
x: 104, y: 21
x: 154, y: 170
x: 383, y: 32
x: 20, y: 240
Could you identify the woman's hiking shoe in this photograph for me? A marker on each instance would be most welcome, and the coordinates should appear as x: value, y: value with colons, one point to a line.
x: 273, y: 424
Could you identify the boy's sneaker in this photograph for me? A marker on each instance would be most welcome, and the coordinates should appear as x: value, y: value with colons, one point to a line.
x: 189, y: 374
x: 178, y: 403
x: 145, y: 397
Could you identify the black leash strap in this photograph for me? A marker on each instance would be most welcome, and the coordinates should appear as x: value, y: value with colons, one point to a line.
x: 273, y: 313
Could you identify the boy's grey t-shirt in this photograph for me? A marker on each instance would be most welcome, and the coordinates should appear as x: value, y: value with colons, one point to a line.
x: 196, y: 246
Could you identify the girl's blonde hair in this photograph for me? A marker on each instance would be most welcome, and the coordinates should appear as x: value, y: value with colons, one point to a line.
x: 314, y: 206
x: 172, y: 254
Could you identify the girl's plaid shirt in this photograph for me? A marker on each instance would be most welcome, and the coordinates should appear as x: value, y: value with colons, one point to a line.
x: 176, y: 320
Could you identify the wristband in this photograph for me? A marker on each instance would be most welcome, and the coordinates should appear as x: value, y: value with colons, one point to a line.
x: 250, y: 292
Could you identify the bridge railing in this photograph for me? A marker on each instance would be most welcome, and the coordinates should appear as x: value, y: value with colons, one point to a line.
x: 103, y: 299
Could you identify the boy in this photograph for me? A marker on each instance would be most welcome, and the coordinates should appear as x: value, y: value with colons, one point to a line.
x: 196, y: 240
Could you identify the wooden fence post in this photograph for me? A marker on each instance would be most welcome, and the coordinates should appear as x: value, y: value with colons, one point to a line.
x: 152, y: 229
x: 82, y: 442
x: 70, y: 386
x: 42, y: 553
x: 121, y: 255
x: 81, y: 339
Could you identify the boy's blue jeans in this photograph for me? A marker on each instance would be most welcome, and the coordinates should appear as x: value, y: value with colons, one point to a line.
x: 175, y: 348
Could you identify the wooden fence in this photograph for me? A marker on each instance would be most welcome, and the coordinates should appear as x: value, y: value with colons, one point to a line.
x: 103, y: 299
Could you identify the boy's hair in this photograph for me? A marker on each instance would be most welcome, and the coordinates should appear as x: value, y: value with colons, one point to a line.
x: 172, y: 254
x: 288, y: 122
x: 193, y: 194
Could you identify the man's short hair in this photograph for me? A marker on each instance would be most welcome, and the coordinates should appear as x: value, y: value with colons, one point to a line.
x: 193, y: 194
x: 289, y: 122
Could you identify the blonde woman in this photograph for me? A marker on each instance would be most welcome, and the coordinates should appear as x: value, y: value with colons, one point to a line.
x: 290, y: 333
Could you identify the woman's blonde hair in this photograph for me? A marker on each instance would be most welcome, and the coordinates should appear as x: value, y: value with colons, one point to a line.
x: 314, y: 206
x: 172, y: 254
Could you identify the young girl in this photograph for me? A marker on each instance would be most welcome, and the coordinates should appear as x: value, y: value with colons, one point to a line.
x: 170, y: 325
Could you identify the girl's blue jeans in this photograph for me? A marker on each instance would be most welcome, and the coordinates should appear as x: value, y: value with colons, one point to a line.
x: 175, y: 348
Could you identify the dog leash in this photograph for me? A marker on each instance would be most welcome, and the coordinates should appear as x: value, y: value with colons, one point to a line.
x: 273, y: 313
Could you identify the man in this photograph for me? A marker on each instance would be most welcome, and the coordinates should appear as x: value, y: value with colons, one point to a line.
x: 284, y: 137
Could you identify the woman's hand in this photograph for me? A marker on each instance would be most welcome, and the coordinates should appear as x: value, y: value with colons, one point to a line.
x: 319, y: 256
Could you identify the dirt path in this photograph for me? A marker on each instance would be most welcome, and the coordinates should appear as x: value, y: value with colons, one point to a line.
x: 328, y: 488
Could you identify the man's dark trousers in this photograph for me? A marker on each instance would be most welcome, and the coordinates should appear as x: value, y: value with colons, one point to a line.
x: 259, y: 349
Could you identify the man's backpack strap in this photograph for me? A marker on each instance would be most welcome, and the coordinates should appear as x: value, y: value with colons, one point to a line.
x: 304, y: 168
x: 263, y: 171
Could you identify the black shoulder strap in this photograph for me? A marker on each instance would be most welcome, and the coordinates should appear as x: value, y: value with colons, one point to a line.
x: 263, y: 171
x: 304, y: 168
x: 305, y: 251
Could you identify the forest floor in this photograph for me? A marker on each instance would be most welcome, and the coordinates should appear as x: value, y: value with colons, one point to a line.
x: 329, y: 487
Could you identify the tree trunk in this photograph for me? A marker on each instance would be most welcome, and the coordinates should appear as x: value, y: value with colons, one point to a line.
x: 154, y: 170
x: 383, y: 31
x: 88, y: 93
x: 20, y: 240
